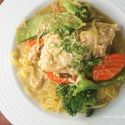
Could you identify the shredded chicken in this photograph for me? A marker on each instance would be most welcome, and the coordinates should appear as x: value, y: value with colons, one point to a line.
x: 53, y: 58
x: 34, y: 53
x: 100, y: 41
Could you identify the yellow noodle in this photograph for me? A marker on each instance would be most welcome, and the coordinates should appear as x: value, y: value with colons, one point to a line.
x: 44, y: 93
x: 105, y: 95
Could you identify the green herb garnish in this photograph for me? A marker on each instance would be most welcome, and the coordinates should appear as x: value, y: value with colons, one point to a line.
x: 85, y: 65
x: 71, y: 44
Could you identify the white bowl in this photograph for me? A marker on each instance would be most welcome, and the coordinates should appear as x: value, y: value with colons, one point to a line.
x: 21, y: 109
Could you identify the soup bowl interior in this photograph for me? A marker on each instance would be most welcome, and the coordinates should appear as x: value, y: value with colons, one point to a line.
x: 20, y: 108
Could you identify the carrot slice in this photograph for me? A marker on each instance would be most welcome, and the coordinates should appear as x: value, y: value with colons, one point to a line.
x: 111, y: 65
x: 32, y: 42
x: 59, y: 79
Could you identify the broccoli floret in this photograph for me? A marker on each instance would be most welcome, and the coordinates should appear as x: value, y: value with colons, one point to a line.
x: 86, y: 65
x: 81, y: 11
x: 62, y: 90
x: 89, y: 112
x: 89, y: 64
x: 74, y: 104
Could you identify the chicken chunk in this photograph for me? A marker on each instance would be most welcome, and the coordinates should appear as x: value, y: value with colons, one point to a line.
x: 100, y: 40
x: 34, y: 53
x: 53, y: 58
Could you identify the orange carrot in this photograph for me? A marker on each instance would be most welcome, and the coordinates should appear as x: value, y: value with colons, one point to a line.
x: 59, y: 79
x: 32, y: 42
x: 110, y: 67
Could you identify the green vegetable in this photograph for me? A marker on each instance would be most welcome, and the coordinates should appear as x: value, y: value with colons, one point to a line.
x: 86, y: 65
x: 65, y: 89
x: 89, y: 112
x: 85, y: 84
x: 117, y: 79
x: 40, y: 24
x: 81, y: 11
x: 70, y: 44
x: 62, y: 90
x: 69, y: 6
x: 64, y: 30
x: 74, y: 104
x: 82, y: 98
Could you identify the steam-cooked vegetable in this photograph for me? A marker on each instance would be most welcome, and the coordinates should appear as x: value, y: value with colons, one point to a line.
x: 81, y: 11
x: 58, y: 79
x: 40, y: 24
x: 111, y: 65
x: 62, y: 90
x: 89, y: 112
x: 74, y: 104
x: 68, y: 4
x: 86, y: 65
x: 32, y: 42
x: 85, y: 84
